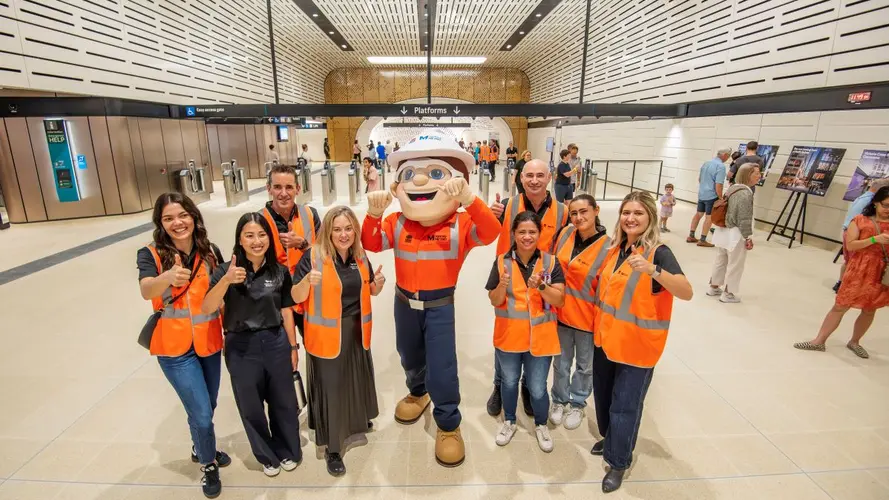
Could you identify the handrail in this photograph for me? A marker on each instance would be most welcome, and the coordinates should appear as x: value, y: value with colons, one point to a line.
x: 632, y: 184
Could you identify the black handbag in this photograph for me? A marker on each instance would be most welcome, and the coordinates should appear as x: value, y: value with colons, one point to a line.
x: 147, y: 332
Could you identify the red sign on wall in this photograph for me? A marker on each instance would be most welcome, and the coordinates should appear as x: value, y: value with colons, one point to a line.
x: 859, y: 97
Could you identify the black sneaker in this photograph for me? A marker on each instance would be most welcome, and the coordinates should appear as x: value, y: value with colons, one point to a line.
x: 335, y: 465
x: 222, y: 460
x: 598, y: 448
x: 495, y: 402
x: 210, y: 483
x: 526, y: 401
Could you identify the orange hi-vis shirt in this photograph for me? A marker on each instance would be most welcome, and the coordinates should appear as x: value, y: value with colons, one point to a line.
x: 581, y: 278
x: 631, y: 322
x: 555, y: 218
x: 430, y: 258
x: 484, y: 153
x: 304, y: 227
x: 523, y: 322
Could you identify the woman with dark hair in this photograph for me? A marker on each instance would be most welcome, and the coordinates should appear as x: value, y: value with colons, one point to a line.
x: 525, y: 334
x: 637, y: 283
x: 865, y: 284
x: 580, y: 249
x: 260, y: 343
x: 174, y: 273
x: 371, y: 176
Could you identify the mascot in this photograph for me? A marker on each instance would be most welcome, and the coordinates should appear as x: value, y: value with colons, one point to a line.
x: 430, y: 239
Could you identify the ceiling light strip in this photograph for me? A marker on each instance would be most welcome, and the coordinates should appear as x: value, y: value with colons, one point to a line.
x: 326, y: 25
x: 421, y: 60
x: 534, y: 18
x: 426, y: 36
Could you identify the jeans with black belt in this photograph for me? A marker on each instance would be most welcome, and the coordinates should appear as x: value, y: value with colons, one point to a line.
x: 261, y: 373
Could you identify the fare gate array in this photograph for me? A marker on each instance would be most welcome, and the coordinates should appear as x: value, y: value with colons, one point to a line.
x: 235, y: 182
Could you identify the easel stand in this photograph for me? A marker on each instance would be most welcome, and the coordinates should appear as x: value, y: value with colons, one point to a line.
x: 795, y: 196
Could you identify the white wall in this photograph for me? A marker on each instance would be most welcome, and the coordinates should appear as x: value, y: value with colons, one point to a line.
x: 314, y: 138
x: 684, y: 144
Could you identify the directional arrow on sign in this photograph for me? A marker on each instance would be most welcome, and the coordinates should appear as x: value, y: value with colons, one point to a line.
x: 456, y: 110
x: 403, y: 110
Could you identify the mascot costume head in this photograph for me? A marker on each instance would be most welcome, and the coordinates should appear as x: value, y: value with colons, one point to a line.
x: 429, y: 170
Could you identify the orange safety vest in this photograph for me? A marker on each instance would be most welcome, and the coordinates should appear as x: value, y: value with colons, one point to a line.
x: 522, y: 323
x: 181, y: 324
x: 324, y: 309
x: 552, y: 222
x: 581, y: 278
x: 484, y: 153
x: 305, y: 229
x: 631, y: 323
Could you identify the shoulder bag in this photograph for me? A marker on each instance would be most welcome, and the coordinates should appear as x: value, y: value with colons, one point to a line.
x: 147, y: 332
x: 885, y: 280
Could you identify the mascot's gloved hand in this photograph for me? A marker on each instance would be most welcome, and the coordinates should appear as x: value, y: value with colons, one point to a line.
x: 458, y: 189
x: 377, y: 202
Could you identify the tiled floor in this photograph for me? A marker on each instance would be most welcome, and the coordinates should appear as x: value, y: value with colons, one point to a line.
x: 734, y: 411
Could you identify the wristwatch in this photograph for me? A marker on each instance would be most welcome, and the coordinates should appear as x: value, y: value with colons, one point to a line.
x: 541, y: 286
x: 295, y: 347
x: 657, y: 272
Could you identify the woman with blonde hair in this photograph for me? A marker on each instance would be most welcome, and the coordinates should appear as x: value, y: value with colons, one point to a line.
x: 735, y: 239
x: 334, y: 282
x: 637, y: 283
x: 519, y: 165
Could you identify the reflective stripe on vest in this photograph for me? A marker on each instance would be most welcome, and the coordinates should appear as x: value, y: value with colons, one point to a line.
x: 452, y: 253
x: 623, y: 313
x: 514, y: 212
x: 585, y: 293
x: 511, y: 312
x: 316, y: 319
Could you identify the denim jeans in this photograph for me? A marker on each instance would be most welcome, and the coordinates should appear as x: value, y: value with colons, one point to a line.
x: 536, y: 373
x: 619, y: 392
x: 568, y: 389
x: 196, y: 381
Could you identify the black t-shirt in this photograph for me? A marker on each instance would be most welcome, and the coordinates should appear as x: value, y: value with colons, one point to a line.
x: 556, y: 277
x: 529, y: 206
x: 581, y: 244
x: 148, y: 267
x: 663, y: 257
x: 281, y: 223
x: 519, y: 165
x: 349, y: 275
x: 511, y: 151
x: 562, y: 169
x: 256, y: 303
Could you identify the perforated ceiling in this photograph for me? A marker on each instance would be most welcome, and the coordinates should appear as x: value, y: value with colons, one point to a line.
x: 650, y: 50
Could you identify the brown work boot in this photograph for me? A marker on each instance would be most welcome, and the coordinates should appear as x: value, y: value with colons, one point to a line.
x: 411, y: 408
x: 705, y: 244
x: 449, y: 448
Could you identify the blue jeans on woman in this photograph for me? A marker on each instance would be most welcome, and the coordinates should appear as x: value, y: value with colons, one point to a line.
x: 196, y: 381
x: 567, y: 387
x: 536, y: 372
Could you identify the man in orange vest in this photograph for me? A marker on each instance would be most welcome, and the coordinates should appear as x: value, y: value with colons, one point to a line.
x: 430, y: 239
x: 554, y: 215
x: 294, y: 227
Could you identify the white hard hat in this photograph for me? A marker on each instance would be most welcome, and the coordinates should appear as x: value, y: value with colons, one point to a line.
x: 434, y: 144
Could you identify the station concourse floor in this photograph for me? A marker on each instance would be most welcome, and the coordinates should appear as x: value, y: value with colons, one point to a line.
x: 734, y: 412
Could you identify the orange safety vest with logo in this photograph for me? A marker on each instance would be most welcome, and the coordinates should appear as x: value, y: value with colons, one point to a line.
x: 523, y: 323
x: 305, y: 229
x: 631, y: 323
x: 181, y: 324
x: 581, y: 278
x: 551, y: 223
x: 324, y: 309
x: 484, y: 153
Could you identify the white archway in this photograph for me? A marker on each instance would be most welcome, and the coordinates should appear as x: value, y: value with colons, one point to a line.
x: 479, y: 129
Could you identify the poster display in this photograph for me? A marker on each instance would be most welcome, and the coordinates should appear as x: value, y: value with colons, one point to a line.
x: 62, y: 163
x: 810, y: 169
x: 768, y: 153
x: 873, y: 165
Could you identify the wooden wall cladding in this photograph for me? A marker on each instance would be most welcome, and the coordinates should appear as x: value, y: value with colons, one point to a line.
x: 389, y: 85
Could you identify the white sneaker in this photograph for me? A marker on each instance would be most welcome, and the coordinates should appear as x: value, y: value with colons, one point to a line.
x: 288, y: 464
x: 574, y: 418
x: 507, y: 431
x: 713, y: 292
x: 270, y: 471
x: 544, y: 440
x: 729, y: 298
x: 556, y: 413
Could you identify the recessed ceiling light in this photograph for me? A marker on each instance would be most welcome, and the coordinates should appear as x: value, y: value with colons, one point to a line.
x: 316, y: 15
x: 456, y: 60
x: 521, y: 32
x: 343, y: 46
x: 537, y: 15
x: 330, y: 32
x: 509, y: 46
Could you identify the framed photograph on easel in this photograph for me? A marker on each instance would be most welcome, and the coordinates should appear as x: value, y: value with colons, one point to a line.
x: 873, y: 165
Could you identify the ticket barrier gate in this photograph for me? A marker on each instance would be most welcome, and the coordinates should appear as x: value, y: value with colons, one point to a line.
x: 552, y: 173
x: 483, y: 167
x: 189, y: 180
x: 304, y: 178
x: 328, y: 185
x: 354, y: 186
x: 508, y: 172
x: 484, y: 185
x: 588, y: 179
x: 235, y: 182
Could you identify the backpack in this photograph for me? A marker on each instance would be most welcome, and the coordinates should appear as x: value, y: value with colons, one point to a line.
x: 720, y: 209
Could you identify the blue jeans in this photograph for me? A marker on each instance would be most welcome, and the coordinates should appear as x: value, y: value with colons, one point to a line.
x: 619, y: 392
x: 536, y: 372
x: 426, y: 342
x: 567, y: 388
x: 196, y: 381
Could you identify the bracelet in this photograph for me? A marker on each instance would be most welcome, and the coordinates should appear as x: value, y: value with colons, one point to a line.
x: 873, y: 240
x: 295, y: 347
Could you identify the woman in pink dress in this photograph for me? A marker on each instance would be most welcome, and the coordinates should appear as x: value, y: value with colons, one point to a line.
x: 864, y: 286
x: 371, y: 176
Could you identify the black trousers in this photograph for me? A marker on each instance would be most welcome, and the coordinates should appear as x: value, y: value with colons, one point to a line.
x: 261, y: 374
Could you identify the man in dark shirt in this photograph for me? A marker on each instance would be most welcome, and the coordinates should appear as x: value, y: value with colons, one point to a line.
x: 283, y: 188
x: 563, y: 177
x: 749, y: 156
x: 511, y: 151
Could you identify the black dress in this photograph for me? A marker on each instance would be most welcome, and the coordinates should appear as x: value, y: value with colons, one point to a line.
x: 342, y: 392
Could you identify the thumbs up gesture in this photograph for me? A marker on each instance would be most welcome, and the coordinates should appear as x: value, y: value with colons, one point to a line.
x: 290, y: 238
x: 178, y: 275
x: 314, y: 275
x: 235, y: 275
x: 379, y: 279
x: 639, y: 263
x: 535, y: 280
x: 504, y: 279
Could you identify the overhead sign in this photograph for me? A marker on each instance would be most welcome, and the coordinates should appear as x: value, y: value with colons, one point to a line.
x: 859, y: 97
x: 426, y: 125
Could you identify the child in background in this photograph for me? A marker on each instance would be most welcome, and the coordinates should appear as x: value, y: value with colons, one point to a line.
x: 667, y: 202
